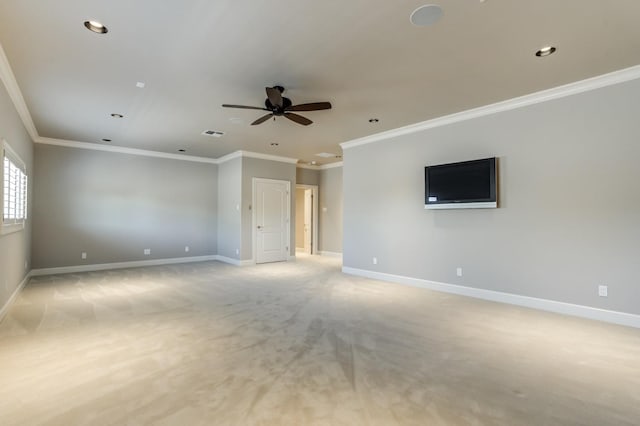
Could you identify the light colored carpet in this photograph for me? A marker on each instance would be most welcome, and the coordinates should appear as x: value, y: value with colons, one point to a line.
x: 300, y: 343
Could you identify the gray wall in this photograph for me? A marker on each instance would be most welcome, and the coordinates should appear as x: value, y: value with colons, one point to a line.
x: 15, y: 248
x: 299, y: 218
x: 307, y: 176
x: 330, y: 211
x: 229, y: 207
x: 254, y: 167
x: 114, y: 205
x: 569, y: 217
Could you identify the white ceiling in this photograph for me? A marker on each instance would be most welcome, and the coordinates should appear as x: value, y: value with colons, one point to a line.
x: 364, y: 56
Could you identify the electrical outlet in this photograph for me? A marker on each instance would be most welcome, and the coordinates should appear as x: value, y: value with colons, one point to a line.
x: 84, y: 255
x: 459, y: 271
x: 186, y: 249
x: 603, y: 291
x: 237, y: 252
x: 375, y: 260
x: 147, y: 252
x: 26, y: 265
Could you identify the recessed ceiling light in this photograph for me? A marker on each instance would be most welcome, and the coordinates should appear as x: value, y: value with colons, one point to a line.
x: 114, y: 115
x: 274, y: 144
x: 106, y: 140
x: 96, y: 27
x: 426, y: 15
x: 545, y: 51
x: 182, y: 150
x: 140, y: 85
x: 373, y: 120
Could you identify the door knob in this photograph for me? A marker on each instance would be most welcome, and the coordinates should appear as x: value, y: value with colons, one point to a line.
x: 259, y: 227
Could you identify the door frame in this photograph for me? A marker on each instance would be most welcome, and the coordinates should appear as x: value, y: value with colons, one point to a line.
x: 314, y: 215
x: 254, y: 229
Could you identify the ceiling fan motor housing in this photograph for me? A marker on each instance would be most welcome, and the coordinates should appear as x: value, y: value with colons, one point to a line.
x: 278, y: 110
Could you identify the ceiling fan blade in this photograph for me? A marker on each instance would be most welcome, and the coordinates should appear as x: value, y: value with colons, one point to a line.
x: 274, y: 95
x: 298, y: 118
x: 314, y: 106
x: 262, y: 119
x: 244, y: 107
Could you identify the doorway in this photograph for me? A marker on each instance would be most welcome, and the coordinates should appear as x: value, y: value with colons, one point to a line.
x: 306, y: 219
x: 271, y: 201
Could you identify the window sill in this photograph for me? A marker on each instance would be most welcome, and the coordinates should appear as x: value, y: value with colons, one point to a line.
x: 10, y: 229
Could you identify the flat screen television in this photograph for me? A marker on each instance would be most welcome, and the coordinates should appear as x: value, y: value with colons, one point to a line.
x: 468, y: 184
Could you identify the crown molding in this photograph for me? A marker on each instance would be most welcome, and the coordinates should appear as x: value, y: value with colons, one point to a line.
x: 11, y: 84
x: 323, y: 167
x: 574, y: 88
x: 123, y: 150
x: 229, y: 157
x: 331, y: 165
x: 157, y: 154
x: 249, y: 154
x: 610, y: 79
x: 307, y: 166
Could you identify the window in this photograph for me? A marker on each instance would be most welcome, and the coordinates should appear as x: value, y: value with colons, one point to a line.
x: 14, y: 190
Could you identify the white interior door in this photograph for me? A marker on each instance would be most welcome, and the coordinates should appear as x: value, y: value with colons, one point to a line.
x: 271, y: 220
x: 308, y: 202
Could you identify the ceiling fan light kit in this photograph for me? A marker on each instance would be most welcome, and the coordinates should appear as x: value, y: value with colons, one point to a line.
x: 279, y: 106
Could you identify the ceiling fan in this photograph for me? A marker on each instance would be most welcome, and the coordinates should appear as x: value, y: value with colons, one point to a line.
x: 279, y: 106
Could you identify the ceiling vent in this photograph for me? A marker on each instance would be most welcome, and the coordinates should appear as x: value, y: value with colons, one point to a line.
x: 213, y: 133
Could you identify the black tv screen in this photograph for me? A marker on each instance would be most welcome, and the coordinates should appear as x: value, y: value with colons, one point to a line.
x: 468, y: 184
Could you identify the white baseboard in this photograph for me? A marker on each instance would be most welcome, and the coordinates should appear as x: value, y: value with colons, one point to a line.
x: 248, y: 262
x: 330, y: 254
x: 614, y: 317
x: 141, y: 263
x: 119, y: 265
x: 225, y: 259
x: 236, y: 262
x: 5, y: 309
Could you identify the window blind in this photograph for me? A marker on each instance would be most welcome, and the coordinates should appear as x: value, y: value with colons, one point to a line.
x: 14, y: 192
